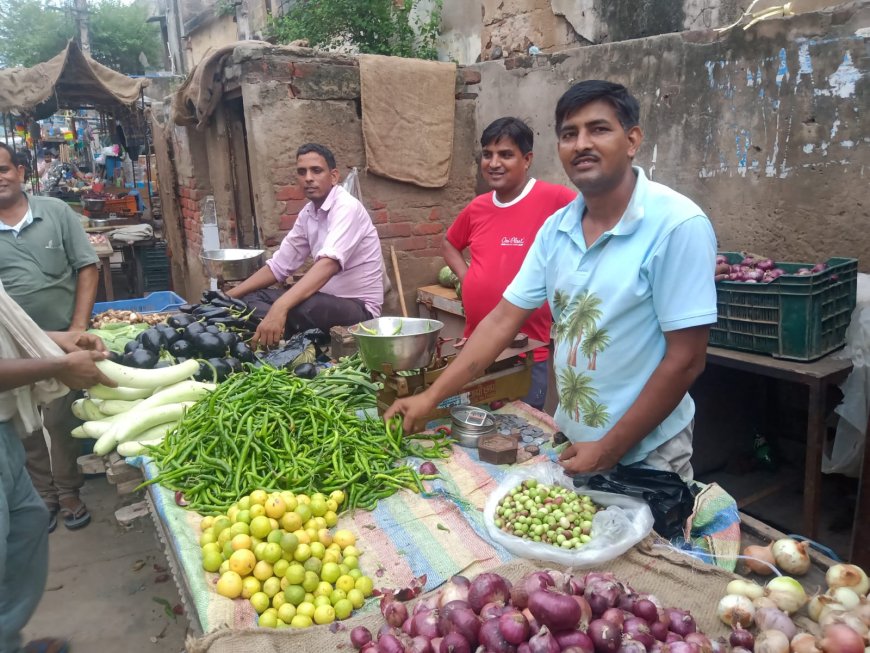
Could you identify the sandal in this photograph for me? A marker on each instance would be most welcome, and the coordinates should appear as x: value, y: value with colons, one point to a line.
x: 52, y: 520
x: 75, y: 519
x: 48, y: 645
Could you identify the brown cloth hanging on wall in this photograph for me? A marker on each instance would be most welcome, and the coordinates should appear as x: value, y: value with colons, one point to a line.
x: 408, y: 111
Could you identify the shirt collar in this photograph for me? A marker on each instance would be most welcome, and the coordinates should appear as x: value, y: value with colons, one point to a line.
x: 26, y: 221
x: 628, y: 223
x: 331, y: 199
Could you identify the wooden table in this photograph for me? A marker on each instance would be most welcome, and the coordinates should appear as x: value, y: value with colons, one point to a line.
x: 105, y: 255
x: 816, y: 376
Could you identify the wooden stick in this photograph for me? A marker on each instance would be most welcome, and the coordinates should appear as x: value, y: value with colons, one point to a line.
x: 398, y: 281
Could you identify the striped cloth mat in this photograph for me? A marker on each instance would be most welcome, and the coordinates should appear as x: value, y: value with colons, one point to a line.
x: 438, y: 534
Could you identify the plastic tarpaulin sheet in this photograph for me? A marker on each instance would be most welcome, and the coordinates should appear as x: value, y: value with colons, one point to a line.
x: 68, y: 81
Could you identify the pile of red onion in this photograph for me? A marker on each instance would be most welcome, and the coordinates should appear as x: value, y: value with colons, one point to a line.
x: 545, y: 612
x: 753, y: 269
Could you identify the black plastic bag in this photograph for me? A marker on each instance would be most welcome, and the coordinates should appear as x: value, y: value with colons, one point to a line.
x: 294, y: 348
x: 669, y: 497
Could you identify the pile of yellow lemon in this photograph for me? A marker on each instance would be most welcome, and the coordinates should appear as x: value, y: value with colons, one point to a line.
x: 277, y: 551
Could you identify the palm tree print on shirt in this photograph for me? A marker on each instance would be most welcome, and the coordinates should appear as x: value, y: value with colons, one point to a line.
x: 576, y: 325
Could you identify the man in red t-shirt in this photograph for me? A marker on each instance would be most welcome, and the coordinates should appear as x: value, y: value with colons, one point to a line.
x: 498, y: 228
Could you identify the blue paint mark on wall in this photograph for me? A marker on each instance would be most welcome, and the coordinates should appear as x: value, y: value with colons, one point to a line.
x: 782, y: 73
x: 710, y: 67
x: 805, y: 60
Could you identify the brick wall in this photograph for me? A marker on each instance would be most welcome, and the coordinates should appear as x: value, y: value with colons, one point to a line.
x: 191, y: 212
x: 291, y: 99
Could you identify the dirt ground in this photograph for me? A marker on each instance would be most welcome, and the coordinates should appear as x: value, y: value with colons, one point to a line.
x: 108, y: 587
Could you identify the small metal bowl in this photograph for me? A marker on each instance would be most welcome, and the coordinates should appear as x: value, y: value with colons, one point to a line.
x: 467, y: 434
x: 93, y: 204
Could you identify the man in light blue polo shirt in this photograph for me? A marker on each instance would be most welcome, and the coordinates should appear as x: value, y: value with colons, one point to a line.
x: 628, y: 271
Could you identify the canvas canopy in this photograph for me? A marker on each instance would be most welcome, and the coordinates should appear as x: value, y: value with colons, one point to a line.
x: 69, y: 80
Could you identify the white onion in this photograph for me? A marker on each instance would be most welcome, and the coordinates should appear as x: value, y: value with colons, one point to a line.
x: 817, y: 604
x: 791, y: 556
x: 771, y: 641
x: 763, y: 602
x: 851, y: 576
x: 845, y: 597
x: 787, y: 594
x: 747, y: 588
x: 736, y: 609
x: 804, y: 643
x: 847, y: 618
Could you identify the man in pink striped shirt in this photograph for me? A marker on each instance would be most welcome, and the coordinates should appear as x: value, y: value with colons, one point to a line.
x: 344, y: 285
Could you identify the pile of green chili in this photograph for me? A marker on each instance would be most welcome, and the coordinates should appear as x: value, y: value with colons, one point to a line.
x: 349, y: 383
x: 267, y: 429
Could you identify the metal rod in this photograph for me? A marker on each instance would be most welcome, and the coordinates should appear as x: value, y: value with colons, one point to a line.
x: 147, y: 128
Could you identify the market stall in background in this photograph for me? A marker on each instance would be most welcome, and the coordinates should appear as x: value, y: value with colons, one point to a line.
x: 81, y: 131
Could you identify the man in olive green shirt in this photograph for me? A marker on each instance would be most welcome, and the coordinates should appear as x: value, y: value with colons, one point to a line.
x: 48, y: 267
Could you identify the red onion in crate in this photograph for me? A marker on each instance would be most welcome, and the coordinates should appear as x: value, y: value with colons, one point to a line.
x: 614, y: 615
x: 492, y: 639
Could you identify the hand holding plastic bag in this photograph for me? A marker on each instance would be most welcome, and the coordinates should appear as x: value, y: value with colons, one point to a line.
x: 624, y: 522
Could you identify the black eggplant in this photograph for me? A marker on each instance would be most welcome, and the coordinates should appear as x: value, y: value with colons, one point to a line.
x: 305, y: 371
x: 229, y: 339
x: 192, y: 330
x: 181, y: 349
x: 188, y: 308
x: 205, y: 373
x: 141, y: 358
x: 234, y: 363
x: 179, y: 321
x: 228, y: 322
x: 132, y: 346
x: 169, y: 333
x: 208, y: 312
x: 152, y: 340
x: 210, y: 328
x: 208, y: 345
x: 221, y: 367
x: 241, y: 351
x: 115, y: 357
x: 161, y: 364
x: 208, y: 296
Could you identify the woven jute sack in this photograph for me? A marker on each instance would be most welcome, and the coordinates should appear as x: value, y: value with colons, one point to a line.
x: 652, y: 567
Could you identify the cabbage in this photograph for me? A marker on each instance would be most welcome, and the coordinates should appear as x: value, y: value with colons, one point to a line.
x: 446, y: 277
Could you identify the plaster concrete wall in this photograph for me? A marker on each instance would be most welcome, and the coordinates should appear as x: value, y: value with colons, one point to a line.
x: 218, y: 31
x: 461, y: 26
x: 489, y: 29
x: 764, y: 129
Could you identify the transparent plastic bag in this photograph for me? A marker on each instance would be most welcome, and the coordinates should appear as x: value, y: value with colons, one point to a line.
x: 624, y: 522
x: 351, y: 185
